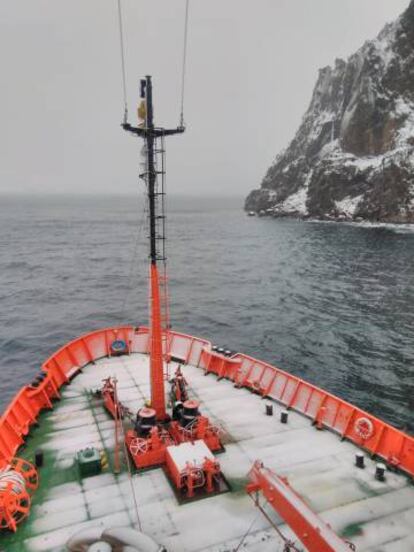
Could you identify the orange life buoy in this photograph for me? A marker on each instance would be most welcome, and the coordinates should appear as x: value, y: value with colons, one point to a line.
x: 364, y: 428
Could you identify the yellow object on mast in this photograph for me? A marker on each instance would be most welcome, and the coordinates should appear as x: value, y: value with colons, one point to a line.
x: 142, y: 112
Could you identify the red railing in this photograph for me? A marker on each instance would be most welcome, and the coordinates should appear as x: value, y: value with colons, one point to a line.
x: 350, y: 422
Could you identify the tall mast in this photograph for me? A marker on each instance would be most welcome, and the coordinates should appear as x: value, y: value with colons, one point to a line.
x: 150, y: 134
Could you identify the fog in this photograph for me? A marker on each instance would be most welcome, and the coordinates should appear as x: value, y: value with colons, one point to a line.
x: 251, y: 69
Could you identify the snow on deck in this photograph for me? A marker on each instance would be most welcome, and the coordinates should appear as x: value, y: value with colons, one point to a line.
x: 375, y: 516
x: 195, y: 453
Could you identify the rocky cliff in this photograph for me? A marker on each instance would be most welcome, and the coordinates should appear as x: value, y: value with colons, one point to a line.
x: 353, y: 155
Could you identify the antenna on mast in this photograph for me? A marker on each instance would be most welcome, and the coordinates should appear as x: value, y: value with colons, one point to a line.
x: 184, y: 62
x: 122, y: 51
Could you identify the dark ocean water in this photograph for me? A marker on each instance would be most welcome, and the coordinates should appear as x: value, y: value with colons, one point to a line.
x: 333, y: 303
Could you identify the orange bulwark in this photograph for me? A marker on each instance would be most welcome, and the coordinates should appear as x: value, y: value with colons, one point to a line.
x: 378, y: 438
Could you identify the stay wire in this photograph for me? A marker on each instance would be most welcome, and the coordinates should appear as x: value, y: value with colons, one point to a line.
x: 183, y: 71
x: 128, y: 463
x: 288, y: 544
x: 122, y: 48
x: 246, y: 533
x: 134, y: 264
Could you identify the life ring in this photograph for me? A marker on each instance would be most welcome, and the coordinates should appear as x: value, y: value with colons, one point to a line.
x: 119, y: 347
x: 364, y: 428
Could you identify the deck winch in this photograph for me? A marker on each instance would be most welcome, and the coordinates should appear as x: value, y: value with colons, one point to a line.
x: 148, y: 452
x: 193, y: 469
x: 190, y: 425
x: 189, y: 413
x: 17, y: 481
x: 145, y: 421
x: 148, y: 442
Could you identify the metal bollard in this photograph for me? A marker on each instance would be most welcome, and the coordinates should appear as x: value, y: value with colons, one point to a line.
x: 380, y: 472
x: 360, y: 460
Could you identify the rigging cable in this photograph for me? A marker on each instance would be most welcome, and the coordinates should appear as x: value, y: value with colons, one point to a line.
x: 122, y: 48
x: 135, y: 261
x: 128, y: 463
x: 288, y: 544
x: 246, y: 533
x: 183, y: 71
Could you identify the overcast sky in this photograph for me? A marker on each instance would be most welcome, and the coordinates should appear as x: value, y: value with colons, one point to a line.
x: 252, y: 65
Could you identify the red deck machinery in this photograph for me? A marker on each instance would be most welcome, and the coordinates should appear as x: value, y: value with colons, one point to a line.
x: 110, y: 399
x: 178, y: 392
x: 202, y: 472
x: 189, y: 426
x: 18, y: 481
x: 148, y: 441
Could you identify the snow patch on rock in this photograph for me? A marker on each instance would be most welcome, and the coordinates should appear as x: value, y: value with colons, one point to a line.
x: 348, y: 205
x: 296, y: 203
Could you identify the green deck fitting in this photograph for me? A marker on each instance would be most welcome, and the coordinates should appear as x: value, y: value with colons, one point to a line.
x: 352, y: 530
x: 89, y: 462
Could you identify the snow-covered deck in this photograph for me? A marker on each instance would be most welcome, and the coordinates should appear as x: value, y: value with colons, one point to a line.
x: 373, y: 515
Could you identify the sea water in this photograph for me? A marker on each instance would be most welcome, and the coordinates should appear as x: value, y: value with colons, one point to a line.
x: 332, y: 303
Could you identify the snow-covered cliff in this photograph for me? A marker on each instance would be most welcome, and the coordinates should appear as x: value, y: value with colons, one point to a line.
x: 353, y: 155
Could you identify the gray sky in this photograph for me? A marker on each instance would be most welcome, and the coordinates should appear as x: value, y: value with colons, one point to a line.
x: 252, y: 65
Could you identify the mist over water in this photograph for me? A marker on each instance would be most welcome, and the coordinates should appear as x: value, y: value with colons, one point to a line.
x: 332, y: 303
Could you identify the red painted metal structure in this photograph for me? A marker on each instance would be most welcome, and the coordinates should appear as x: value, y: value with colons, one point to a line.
x: 195, y: 475
x: 392, y: 445
x: 202, y: 429
x: 18, y: 481
x: 156, y: 354
x: 117, y: 412
x: 316, y: 535
x: 150, y: 451
x: 178, y: 387
x: 108, y: 395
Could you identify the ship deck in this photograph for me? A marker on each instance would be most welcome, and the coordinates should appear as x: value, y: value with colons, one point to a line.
x: 375, y: 516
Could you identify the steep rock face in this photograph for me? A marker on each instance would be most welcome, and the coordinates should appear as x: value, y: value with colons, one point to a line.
x: 353, y: 155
